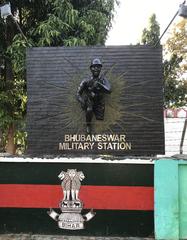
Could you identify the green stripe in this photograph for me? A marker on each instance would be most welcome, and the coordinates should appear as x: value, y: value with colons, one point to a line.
x: 96, y: 173
x: 105, y: 223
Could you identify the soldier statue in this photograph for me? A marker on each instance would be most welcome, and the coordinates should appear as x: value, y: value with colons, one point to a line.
x: 91, y: 92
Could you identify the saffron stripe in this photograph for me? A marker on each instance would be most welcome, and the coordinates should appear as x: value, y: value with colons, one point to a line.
x: 96, y: 197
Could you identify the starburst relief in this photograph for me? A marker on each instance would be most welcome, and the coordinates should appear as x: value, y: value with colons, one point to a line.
x: 74, y: 116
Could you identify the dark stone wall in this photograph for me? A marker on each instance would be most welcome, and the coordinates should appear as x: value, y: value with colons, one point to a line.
x: 134, y: 108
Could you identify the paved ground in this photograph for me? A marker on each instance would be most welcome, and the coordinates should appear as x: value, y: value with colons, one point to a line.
x: 50, y: 237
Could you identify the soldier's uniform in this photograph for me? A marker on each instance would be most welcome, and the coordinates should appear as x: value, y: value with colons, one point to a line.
x: 91, y: 94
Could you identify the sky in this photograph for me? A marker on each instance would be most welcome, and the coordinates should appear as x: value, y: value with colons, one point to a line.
x: 132, y: 17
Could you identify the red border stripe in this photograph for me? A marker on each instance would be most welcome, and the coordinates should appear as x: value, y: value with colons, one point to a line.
x: 96, y: 197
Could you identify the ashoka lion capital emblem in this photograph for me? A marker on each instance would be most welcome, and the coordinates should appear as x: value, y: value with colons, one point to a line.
x: 71, y: 206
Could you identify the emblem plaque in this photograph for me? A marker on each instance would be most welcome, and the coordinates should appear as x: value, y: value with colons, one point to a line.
x: 71, y: 206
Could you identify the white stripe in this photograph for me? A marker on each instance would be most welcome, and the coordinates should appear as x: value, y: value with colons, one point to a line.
x: 76, y: 160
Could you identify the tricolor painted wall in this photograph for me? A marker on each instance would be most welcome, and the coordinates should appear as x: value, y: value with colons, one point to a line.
x: 121, y: 194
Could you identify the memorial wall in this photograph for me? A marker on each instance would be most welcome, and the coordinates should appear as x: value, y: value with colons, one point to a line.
x: 66, y: 115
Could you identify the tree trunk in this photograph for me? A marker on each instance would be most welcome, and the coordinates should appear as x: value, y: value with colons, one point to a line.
x: 10, y: 146
x: 1, y: 136
x: 10, y: 33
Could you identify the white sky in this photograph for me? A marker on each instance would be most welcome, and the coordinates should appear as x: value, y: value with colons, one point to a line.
x: 133, y: 15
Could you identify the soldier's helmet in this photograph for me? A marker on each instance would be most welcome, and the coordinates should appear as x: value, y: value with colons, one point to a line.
x: 96, y: 61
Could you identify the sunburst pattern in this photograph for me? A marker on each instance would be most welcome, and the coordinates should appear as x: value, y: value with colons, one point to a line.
x: 72, y: 117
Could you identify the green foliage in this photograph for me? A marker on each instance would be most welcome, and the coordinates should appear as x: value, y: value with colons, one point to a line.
x: 175, y: 88
x: 20, y: 140
x: 45, y: 23
x: 13, y: 92
x: 175, y: 61
x: 17, y: 53
x: 70, y: 25
x: 175, y: 66
x: 150, y: 35
x: 2, y: 36
x: 12, y: 102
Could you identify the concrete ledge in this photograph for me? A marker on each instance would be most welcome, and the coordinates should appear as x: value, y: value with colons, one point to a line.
x: 101, y: 159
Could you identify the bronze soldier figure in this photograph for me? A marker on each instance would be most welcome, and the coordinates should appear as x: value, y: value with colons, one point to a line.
x: 91, y: 92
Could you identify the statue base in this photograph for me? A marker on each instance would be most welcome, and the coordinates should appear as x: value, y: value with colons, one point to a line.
x: 71, y: 221
x: 71, y: 217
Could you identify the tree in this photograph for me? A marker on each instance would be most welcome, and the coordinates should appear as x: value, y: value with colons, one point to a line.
x: 174, y: 63
x: 175, y: 66
x: 150, y: 35
x: 174, y: 87
x: 45, y: 23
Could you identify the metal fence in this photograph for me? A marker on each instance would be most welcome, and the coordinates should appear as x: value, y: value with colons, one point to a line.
x: 175, y: 136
